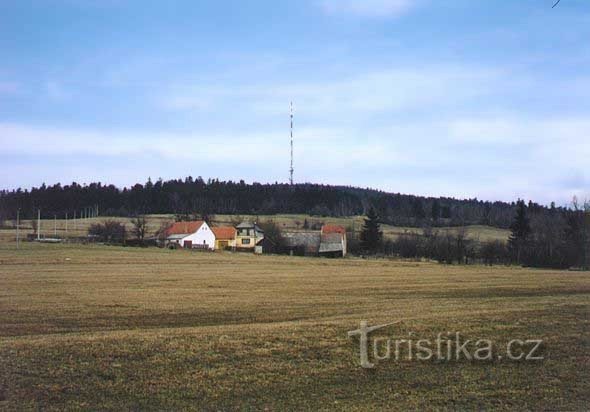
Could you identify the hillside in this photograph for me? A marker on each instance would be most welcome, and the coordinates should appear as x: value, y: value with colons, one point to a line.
x: 196, y: 196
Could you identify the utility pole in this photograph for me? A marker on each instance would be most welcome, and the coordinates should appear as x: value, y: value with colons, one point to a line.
x: 55, y: 226
x: 66, y: 225
x: 17, y: 228
x: 38, y: 224
x: 291, y: 168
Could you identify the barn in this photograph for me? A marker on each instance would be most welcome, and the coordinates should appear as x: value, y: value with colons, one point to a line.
x: 330, y: 241
x: 305, y: 243
x: 333, y: 241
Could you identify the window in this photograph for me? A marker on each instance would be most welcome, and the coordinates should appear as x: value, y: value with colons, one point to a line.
x: 245, y: 241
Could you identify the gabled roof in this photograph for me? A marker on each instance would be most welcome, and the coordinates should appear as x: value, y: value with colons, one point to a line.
x: 184, y: 228
x: 332, y: 242
x: 224, y: 232
x: 327, y: 229
x: 247, y: 225
x: 176, y: 237
x: 309, y: 240
x: 331, y: 247
x: 332, y: 238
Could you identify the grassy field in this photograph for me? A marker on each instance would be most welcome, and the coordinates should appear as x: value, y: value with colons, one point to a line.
x: 80, y: 227
x: 109, y: 328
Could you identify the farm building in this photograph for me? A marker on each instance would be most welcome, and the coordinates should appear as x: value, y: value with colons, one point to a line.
x: 329, y: 241
x: 333, y: 240
x: 248, y: 235
x: 225, y: 237
x: 191, y: 235
x: 303, y: 243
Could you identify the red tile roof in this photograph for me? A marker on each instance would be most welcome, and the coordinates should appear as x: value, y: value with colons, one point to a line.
x: 224, y: 232
x: 327, y: 229
x: 184, y: 228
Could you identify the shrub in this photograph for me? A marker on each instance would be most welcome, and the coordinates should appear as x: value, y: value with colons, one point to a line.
x: 494, y: 252
x: 110, y: 232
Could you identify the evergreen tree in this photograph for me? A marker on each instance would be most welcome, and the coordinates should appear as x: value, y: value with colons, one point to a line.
x: 184, y: 196
x: 577, y: 235
x: 418, y: 209
x: 520, y: 232
x: 446, y: 212
x: 435, y: 210
x: 371, y: 235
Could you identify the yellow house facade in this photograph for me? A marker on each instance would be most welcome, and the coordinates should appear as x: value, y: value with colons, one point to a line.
x: 225, y: 237
x: 248, y: 235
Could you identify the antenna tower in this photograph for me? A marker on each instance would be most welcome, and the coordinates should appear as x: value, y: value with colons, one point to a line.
x: 291, y: 168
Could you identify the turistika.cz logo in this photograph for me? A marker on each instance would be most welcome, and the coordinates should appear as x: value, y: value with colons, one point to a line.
x: 447, y: 346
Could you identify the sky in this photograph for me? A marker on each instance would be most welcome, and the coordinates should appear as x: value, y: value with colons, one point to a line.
x: 471, y: 99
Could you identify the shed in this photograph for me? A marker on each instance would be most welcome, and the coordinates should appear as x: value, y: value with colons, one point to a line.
x: 303, y: 243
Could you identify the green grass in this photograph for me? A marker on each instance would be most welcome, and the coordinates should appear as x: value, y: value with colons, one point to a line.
x: 96, y: 327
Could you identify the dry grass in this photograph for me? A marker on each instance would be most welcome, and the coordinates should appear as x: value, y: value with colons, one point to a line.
x: 119, y: 328
x: 287, y: 222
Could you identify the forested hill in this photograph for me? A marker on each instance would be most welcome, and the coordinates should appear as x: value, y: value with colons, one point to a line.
x: 214, y: 196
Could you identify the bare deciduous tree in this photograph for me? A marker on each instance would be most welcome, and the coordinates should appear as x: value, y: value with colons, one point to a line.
x: 139, y: 227
x: 162, y: 231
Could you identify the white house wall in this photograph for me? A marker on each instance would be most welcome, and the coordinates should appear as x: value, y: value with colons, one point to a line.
x: 202, y: 236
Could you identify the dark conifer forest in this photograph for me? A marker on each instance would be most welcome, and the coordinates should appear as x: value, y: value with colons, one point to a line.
x: 183, y: 196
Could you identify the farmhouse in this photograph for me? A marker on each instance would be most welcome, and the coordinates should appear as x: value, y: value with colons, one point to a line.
x: 191, y: 235
x: 248, y: 235
x: 330, y: 241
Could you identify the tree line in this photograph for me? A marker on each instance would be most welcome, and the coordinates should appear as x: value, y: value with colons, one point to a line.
x: 558, y: 239
x: 189, y: 195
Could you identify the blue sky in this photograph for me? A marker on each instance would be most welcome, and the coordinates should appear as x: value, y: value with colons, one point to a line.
x: 486, y: 99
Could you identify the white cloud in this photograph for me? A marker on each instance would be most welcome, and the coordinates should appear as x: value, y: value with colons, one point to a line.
x: 449, y: 157
x: 20, y: 139
x: 393, y: 89
x: 368, y: 8
x: 455, y: 130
